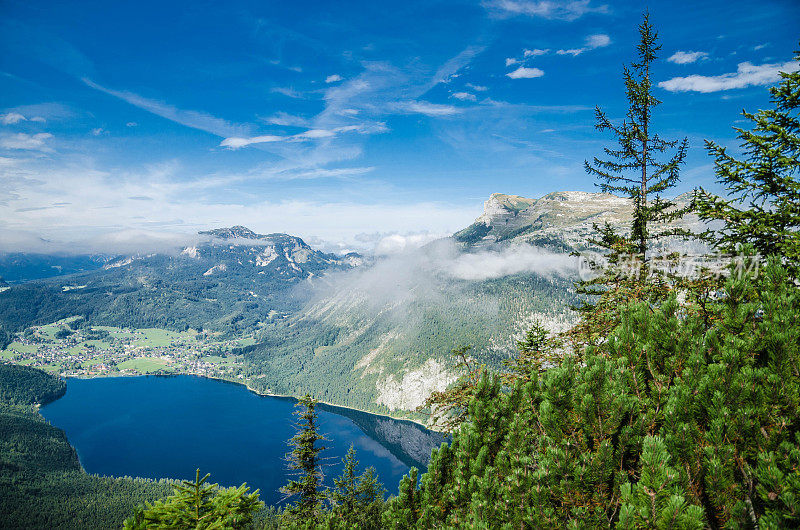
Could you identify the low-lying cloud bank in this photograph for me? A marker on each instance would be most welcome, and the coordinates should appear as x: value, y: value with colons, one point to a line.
x: 436, y: 270
x: 486, y: 265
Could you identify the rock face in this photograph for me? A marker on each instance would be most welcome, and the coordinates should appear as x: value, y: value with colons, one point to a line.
x: 282, y: 255
x: 559, y: 221
x: 411, y: 391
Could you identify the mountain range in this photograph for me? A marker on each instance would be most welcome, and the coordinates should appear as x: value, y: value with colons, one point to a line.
x: 370, y: 333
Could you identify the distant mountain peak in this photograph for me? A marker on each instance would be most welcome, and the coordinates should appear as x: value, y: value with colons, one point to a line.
x: 233, y: 232
x: 561, y: 220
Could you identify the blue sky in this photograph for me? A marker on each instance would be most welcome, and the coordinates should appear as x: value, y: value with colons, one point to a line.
x: 133, y: 123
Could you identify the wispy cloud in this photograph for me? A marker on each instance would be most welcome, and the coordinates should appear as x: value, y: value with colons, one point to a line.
x: 536, y: 52
x: 37, y: 142
x: 12, y: 118
x: 592, y: 42
x: 681, y: 57
x: 311, y: 134
x: 42, y: 112
x: 464, y: 96
x: 190, y: 118
x: 453, y: 65
x: 549, y: 9
x: 333, y: 78
x: 239, y: 142
x: 747, y: 74
x: 525, y: 73
x: 427, y: 108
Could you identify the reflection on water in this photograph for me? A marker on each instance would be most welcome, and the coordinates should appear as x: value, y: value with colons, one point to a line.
x: 168, y: 426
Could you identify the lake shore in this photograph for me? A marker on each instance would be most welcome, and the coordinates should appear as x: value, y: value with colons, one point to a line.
x: 259, y: 393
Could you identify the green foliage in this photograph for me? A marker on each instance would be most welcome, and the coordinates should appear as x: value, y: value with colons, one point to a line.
x: 675, y: 420
x: 199, y: 505
x: 356, y: 500
x: 404, y: 510
x: 656, y: 500
x: 633, y: 169
x: 304, y: 461
x: 764, y: 205
x: 23, y: 385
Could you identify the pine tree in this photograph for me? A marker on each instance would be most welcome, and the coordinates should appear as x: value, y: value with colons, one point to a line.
x: 656, y: 500
x: 199, y: 505
x: 403, y: 511
x: 640, y: 169
x: 357, y: 500
x: 764, y: 190
x: 632, y: 168
x: 535, y: 353
x: 304, y: 461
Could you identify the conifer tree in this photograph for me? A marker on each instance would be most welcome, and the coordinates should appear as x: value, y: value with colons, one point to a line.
x: 305, y: 463
x: 534, y: 354
x: 199, y: 505
x: 656, y: 500
x: 641, y: 168
x: 633, y: 167
x: 403, y: 511
x: 763, y: 208
x: 357, y: 500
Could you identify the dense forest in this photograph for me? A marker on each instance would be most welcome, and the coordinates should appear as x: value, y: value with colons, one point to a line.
x: 42, y: 484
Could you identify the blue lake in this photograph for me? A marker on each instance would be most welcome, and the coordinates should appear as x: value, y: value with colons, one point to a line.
x: 166, y: 427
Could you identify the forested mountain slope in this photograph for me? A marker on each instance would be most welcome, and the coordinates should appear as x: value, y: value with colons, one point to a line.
x: 368, y: 333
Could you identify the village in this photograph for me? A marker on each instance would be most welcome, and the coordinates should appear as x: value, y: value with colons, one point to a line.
x: 71, y: 348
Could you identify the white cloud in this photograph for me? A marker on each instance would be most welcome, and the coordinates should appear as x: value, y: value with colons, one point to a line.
x: 514, y: 260
x: 98, y: 131
x: 397, y: 243
x: 131, y: 124
x: 181, y: 209
x: 333, y: 78
x: 510, y: 61
x: 464, y: 96
x: 549, y: 9
x: 314, y: 134
x: 592, y: 42
x: 285, y: 119
x: 525, y: 73
x: 311, y: 134
x: 535, y: 52
x: 680, y: 57
x: 598, y: 41
x: 11, y: 118
x: 747, y: 74
x: 428, y: 109
x: 25, y: 141
x: 239, y: 142
x: 478, y: 88
x: 190, y: 118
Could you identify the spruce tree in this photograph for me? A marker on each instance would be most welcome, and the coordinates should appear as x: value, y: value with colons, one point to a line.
x: 356, y: 500
x: 305, y: 463
x: 633, y: 167
x: 763, y: 204
x: 642, y: 167
x: 199, y: 505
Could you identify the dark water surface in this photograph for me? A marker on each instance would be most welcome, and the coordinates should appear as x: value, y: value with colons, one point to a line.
x: 166, y: 427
